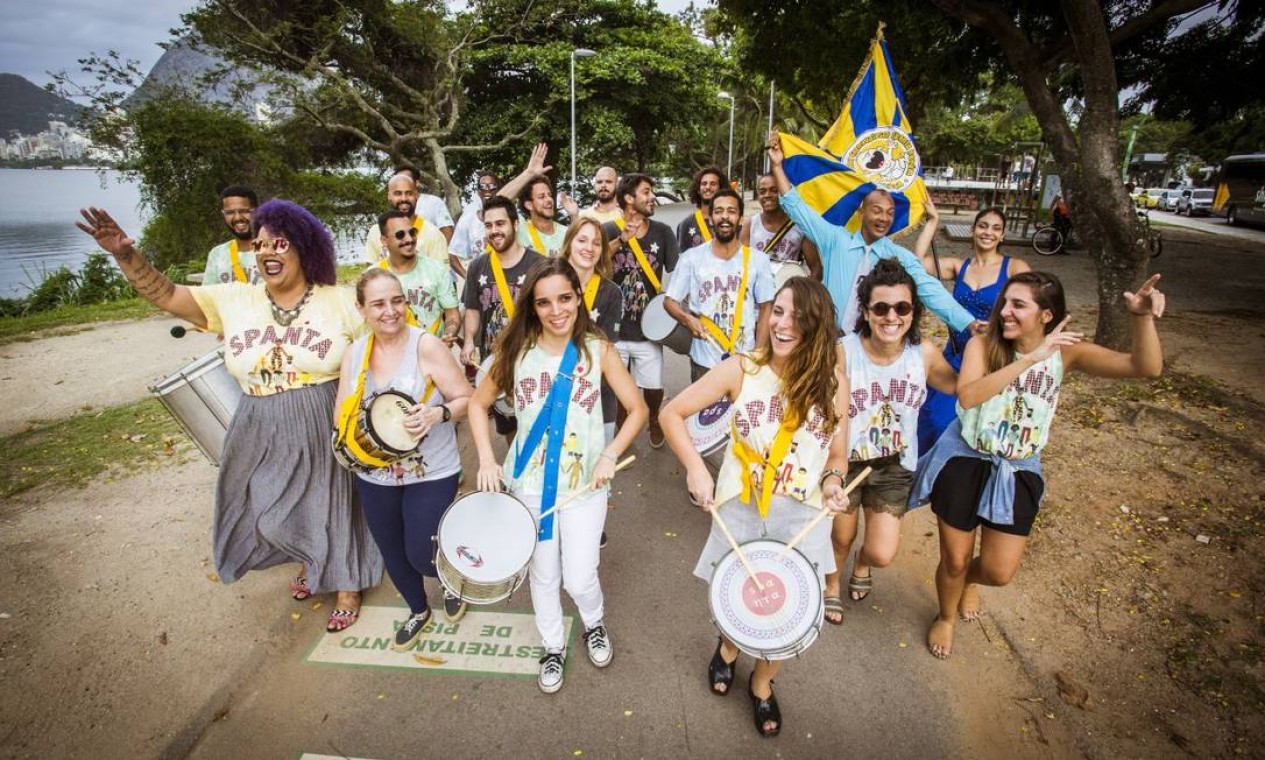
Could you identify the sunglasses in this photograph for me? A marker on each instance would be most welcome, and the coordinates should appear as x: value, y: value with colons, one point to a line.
x: 399, y: 234
x: 492, y: 186
x: 278, y: 245
x: 902, y: 308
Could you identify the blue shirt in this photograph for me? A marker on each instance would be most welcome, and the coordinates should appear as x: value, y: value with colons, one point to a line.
x: 842, y: 253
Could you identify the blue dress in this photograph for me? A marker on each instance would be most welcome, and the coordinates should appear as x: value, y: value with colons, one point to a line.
x: 940, y: 409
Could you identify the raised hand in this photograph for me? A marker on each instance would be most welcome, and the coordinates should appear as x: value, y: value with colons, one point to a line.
x: 774, y: 148
x: 536, y: 164
x: 103, y: 229
x: 1055, y: 341
x: 568, y: 203
x: 1147, y: 299
x: 933, y: 213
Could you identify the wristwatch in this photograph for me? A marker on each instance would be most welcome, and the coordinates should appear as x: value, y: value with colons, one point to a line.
x: 447, y: 412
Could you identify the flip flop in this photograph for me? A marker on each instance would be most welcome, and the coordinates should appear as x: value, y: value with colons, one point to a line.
x: 834, y: 605
x: 299, y: 590
x: 860, y: 587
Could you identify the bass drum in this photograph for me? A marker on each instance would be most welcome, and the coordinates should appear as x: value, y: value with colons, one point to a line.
x: 483, y: 546
x: 783, y: 272
x: 202, y: 397
x: 659, y: 326
x: 503, y: 405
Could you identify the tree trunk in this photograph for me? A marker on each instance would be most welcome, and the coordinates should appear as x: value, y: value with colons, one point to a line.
x: 452, y: 192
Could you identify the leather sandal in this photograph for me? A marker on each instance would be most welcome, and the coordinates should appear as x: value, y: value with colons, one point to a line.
x: 299, y: 590
x: 721, y: 673
x: 765, y: 710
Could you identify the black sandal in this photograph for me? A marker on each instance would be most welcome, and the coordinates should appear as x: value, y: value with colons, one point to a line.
x: 721, y: 673
x: 765, y: 710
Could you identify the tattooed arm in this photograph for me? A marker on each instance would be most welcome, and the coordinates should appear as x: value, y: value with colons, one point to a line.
x: 149, y: 283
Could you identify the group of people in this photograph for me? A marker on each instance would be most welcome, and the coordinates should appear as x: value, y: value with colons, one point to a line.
x: 826, y: 374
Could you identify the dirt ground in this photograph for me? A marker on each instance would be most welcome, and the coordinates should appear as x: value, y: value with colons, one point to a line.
x: 1142, y: 587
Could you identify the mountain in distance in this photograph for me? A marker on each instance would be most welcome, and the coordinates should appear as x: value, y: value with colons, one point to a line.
x: 27, y: 108
x: 183, y: 66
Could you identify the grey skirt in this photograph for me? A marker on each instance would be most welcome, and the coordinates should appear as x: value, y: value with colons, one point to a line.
x: 282, y: 497
x: 786, y: 518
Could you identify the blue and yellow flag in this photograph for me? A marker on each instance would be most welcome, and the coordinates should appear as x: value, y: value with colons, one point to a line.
x: 870, y: 146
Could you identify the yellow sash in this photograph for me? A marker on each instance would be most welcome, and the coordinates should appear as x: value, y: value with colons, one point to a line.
x: 727, y: 342
x: 536, y: 240
x: 409, y: 316
x: 590, y: 291
x: 418, y: 224
x: 703, y: 229
x: 635, y: 245
x: 239, y: 273
x: 498, y: 273
x: 347, y: 416
x: 751, y: 458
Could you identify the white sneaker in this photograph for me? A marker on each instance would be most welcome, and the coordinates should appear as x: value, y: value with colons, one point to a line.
x: 599, y: 645
x: 550, y: 672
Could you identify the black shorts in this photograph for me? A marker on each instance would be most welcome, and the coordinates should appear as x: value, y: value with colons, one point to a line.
x: 955, y: 496
x: 504, y: 425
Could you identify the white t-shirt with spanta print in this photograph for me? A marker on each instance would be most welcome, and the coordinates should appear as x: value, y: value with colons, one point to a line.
x: 708, y: 286
x: 883, y: 404
x: 428, y: 290
x: 584, y: 437
x: 266, y: 357
x: 219, y: 264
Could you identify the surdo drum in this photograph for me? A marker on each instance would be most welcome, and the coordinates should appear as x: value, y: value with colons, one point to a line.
x: 709, y: 431
x: 503, y: 404
x: 777, y: 620
x: 203, y: 397
x: 379, y: 432
x: 484, y: 546
x: 659, y: 326
x: 786, y: 270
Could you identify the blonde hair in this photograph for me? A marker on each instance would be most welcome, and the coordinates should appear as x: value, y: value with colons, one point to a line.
x: 603, y: 268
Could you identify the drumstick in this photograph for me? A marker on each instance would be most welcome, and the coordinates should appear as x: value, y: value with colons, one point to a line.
x: 813, y: 523
x: 733, y: 544
x: 582, y: 491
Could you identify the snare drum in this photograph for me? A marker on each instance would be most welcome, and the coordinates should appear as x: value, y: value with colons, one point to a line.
x: 709, y: 430
x: 380, y: 431
x: 503, y: 404
x: 786, y: 270
x: 202, y: 397
x: 484, y: 546
x: 782, y: 617
x: 659, y: 326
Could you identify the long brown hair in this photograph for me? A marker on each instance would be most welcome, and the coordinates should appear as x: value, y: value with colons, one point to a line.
x: 603, y: 268
x: 1047, y: 293
x: 525, y: 328
x: 808, y: 379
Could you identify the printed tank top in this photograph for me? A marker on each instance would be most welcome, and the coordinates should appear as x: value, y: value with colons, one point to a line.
x: 883, y: 404
x: 1015, y: 423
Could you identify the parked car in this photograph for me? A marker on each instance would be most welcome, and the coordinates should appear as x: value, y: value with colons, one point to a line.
x: 1196, y: 202
x: 1149, y: 198
x: 1169, y: 198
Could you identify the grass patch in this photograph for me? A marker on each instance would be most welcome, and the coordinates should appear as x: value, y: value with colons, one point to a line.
x: 22, y: 328
x: 73, y: 451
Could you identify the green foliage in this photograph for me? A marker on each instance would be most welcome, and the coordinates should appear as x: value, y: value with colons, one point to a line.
x: 97, y: 282
x: 979, y: 129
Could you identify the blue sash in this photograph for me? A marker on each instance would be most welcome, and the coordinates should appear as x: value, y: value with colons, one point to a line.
x: 553, y: 417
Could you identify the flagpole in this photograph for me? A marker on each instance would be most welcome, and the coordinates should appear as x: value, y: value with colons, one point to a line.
x: 772, y: 86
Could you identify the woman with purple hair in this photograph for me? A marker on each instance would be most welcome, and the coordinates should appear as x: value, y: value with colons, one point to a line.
x: 281, y: 496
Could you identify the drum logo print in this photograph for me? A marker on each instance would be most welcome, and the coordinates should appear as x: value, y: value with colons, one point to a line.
x: 768, y: 598
x: 471, y: 557
x: 714, y: 413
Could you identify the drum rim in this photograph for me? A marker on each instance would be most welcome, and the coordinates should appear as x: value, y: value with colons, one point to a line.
x: 804, y: 639
x: 366, y: 422
x: 193, y: 371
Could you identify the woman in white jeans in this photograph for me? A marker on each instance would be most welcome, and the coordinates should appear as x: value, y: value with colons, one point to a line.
x: 551, y: 361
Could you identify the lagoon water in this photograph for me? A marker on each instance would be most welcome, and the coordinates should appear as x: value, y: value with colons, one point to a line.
x: 38, y: 209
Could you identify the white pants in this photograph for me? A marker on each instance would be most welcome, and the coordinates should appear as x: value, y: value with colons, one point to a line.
x: 567, y: 560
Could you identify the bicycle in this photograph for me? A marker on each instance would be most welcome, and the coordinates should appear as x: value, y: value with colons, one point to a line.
x: 1152, y: 239
x: 1047, y: 240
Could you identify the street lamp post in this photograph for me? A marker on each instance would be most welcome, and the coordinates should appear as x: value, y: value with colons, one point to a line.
x: 729, y: 168
x: 582, y: 53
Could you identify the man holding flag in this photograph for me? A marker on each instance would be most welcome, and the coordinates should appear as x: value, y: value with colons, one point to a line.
x: 862, y: 182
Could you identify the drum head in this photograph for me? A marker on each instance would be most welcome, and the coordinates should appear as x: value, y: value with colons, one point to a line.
x: 656, y: 323
x: 385, y: 420
x: 787, y: 270
x: 709, y: 429
x: 487, y: 537
x: 780, y: 618
x: 502, y: 404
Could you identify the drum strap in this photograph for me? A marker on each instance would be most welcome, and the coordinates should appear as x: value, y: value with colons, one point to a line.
x: 536, y: 241
x: 703, y: 229
x: 727, y: 342
x: 502, y: 287
x: 409, y: 316
x: 646, y: 269
x: 351, y: 407
x: 590, y: 291
x: 751, y: 458
x: 552, y: 420
x: 235, y: 256
x: 781, y: 233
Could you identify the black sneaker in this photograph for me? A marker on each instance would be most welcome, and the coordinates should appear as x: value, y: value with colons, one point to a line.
x: 408, y: 634
x: 601, y: 543
x: 454, y: 608
x: 550, y: 672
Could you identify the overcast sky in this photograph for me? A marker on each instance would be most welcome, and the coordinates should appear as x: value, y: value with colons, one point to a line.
x: 37, y: 36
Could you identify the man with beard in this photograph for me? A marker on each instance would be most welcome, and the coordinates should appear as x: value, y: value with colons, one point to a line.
x: 606, y: 207
x: 846, y: 256
x: 492, y: 284
x: 402, y: 196
x: 234, y: 261
x: 537, y: 228
x: 431, y: 207
x: 642, y: 251
x: 722, y: 290
x: 695, y: 229
x: 773, y: 232
x: 428, y: 288
x: 467, y: 240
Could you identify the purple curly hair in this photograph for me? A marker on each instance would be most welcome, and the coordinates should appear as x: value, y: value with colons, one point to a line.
x: 306, y: 234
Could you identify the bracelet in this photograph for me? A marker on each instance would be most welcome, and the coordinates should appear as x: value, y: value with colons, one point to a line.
x: 843, y: 477
x: 608, y: 455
